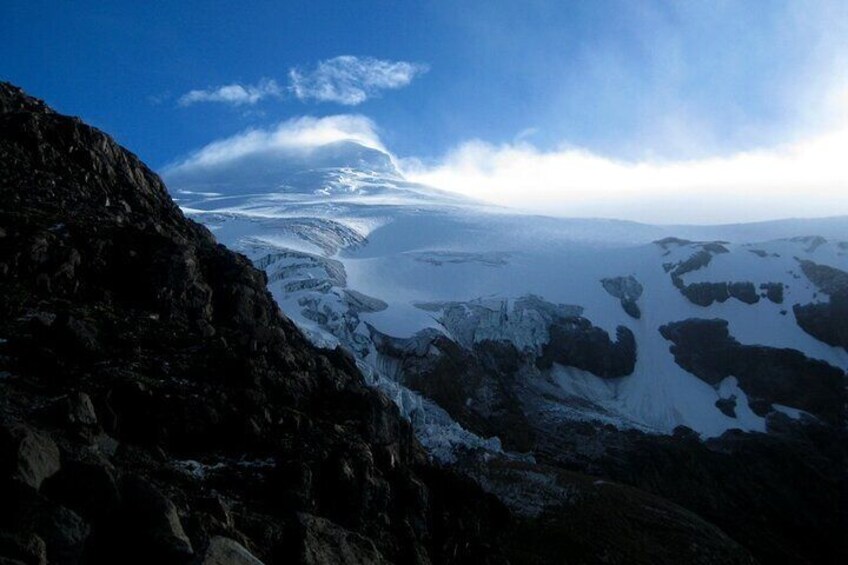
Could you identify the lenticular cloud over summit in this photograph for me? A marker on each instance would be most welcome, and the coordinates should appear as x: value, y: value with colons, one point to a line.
x: 296, y: 134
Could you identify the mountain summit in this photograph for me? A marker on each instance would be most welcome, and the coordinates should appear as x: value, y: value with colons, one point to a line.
x: 281, y: 170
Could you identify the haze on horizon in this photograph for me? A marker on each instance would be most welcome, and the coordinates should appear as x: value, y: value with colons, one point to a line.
x: 654, y: 111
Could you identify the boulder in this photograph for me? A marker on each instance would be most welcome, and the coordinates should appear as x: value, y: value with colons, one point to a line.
x: 153, y: 520
x: 28, y: 549
x: 326, y: 543
x: 29, y: 456
x: 226, y: 551
x: 80, y: 409
x: 64, y: 532
x: 87, y: 487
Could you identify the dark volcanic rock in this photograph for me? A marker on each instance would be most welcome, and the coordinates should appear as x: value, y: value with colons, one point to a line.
x: 28, y: 549
x: 26, y: 514
x: 829, y: 280
x: 627, y: 290
x: 150, y: 524
x: 594, y: 511
x: 225, y: 551
x: 705, y: 293
x: 28, y: 455
x: 325, y: 543
x: 747, y: 484
x: 773, y: 291
x: 743, y: 292
x: 706, y: 349
x: 828, y: 321
x: 698, y: 260
x: 577, y: 343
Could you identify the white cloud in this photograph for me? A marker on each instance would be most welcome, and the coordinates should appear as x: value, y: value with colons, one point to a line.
x: 352, y: 80
x: 808, y: 177
x: 234, y: 94
x: 292, y: 135
x: 345, y: 79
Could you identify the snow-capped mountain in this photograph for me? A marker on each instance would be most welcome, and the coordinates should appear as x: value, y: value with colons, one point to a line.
x: 492, y: 327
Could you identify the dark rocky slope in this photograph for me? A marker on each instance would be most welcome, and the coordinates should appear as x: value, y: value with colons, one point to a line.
x: 782, y: 494
x: 155, y: 406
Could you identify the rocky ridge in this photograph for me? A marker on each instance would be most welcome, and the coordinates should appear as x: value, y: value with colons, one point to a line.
x: 156, y: 405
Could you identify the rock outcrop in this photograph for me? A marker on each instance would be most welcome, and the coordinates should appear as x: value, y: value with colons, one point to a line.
x: 773, y: 291
x: 706, y: 293
x: 627, y: 290
x: 825, y: 321
x: 768, y: 375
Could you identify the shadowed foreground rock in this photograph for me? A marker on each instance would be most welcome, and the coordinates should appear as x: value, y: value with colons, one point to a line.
x: 157, y: 407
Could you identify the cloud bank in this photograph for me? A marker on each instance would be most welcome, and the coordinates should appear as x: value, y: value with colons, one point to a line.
x: 351, y: 80
x: 805, y: 178
x: 234, y: 94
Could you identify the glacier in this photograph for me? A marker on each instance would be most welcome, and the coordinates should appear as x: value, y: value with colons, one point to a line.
x: 399, y: 273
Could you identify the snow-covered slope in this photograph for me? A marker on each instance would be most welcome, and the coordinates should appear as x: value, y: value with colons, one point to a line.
x: 419, y: 284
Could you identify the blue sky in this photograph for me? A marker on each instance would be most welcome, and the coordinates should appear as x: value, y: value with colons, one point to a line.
x: 652, y: 80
